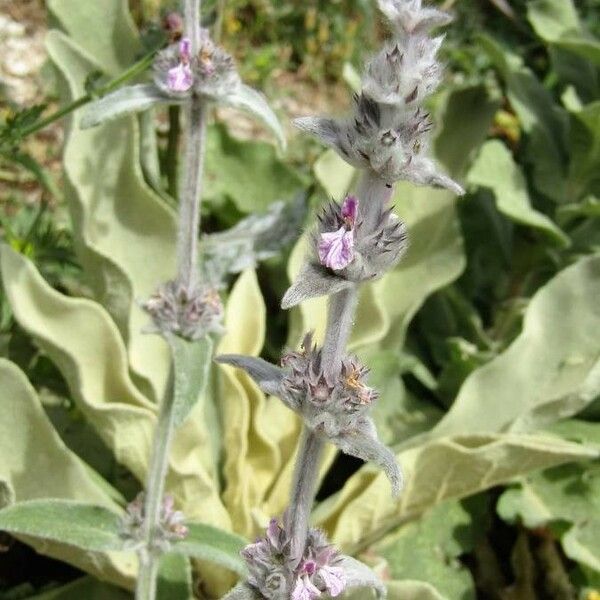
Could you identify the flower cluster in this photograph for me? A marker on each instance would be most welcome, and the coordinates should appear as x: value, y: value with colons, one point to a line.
x: 277, y: 577
x: 334, y: 405
x: 172, y: 524
x: 190, y: 313
x: 387, y: 131
x: 349, y: 250
x: 208, y: 73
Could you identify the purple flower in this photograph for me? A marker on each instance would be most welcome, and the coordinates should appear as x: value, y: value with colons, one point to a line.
x: 180, y: 78
x: 350, y: 210
x: 336, y: 248
x: 334, y: 579
x: 305, y: 589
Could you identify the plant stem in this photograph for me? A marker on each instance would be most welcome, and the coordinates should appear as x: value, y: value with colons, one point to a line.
x: 189, y: 206
x: 155, y: 487
x: 133, y: 71
x: 187, y: 249
x: 339, y: 325
x: 372, y: 192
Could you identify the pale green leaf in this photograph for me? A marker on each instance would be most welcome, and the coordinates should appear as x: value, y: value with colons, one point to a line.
x: 570, y: 495
x: 428, y: 549
x: 213, y: 545
x: 80, y: 338
x: 175, y: 578
x: 119, y: 221
x: 549, y: 372
x: 191, y: 364
x: 334, y: 174
x: 125, y: 101
x: 35, y: 462
x: 252, y: 458
x: 85, y: 526
x: 448, y: 468
x: 254, y: 102
x: 466, y: 116
x: 105, y: 31
x: 413, y: 590
x: 227, y: 176
x: 496, y: 169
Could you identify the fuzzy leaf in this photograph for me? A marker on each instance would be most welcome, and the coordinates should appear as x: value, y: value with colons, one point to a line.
x: 496, y: 169
x: 358, y: 575
x: 82, y: 525
x: 312, y: 282
x: 549, y: 372
x: 29, y: 444
x: 104, y: 31
x: 452, y: 467
x: 80, y: 338
x: 114, y: 237
x: 229, y: 179
x: 413, y: 590
x: 191, y: 365
x: 364, y: 444
x: 253, y: 239
x: 266, y: 375
x: 252, y: 458
x: 428, y: 549
x: 214, y: 545
x: 127, y: 100
x: 174, y: 579
x: 250, y: 100
x: 334, y: 174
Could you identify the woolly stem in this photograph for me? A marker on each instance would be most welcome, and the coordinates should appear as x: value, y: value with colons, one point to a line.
x: 191, y: 191
x: 303, y: 492
x: 187, y: 258
x: 155, y: 487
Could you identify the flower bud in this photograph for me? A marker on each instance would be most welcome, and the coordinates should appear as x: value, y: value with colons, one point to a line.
x: 190, y: 313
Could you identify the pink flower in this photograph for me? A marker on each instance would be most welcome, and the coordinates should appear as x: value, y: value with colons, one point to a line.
x: 336, y: 248
x: 350, y: 210
x: 305, y: 589
x: 180, y: 78
x: 334, y: 579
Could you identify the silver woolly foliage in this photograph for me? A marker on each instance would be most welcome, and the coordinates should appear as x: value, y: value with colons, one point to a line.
x: 335, y: 406
x: 388, y: 130
x: 190, y: 313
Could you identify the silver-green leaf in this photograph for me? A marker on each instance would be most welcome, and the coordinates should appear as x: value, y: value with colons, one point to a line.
x: 248, y: 99
x: 214, y: 545
x: 78, y: 524
x: 125, y: 101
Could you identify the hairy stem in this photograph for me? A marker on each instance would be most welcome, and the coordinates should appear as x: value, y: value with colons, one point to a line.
x: 155, y: 487
x: 187, y: 250
x: 189, y: 206
x: 303, y: 490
